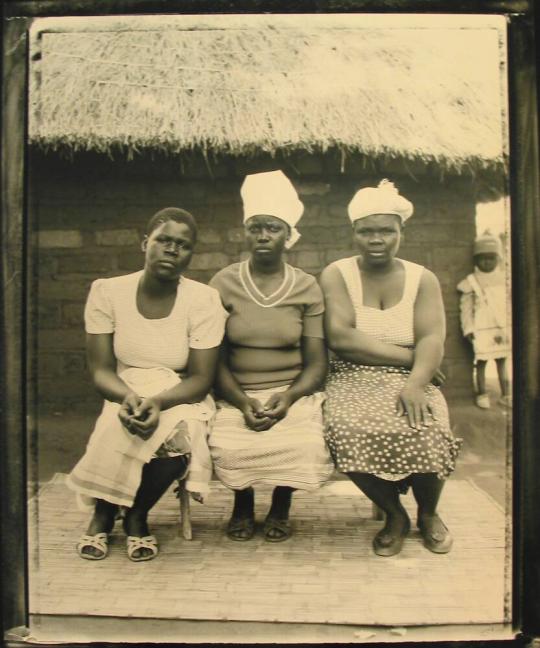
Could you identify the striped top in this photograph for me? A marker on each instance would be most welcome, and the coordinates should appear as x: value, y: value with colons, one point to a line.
x: 196, y: 321
x: 393, y: 325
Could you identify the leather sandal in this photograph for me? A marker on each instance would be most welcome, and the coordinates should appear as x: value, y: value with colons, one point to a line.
x: 387, y: 544
x: 146, y: 542
x: 237, y: 525
x: 436, y: 540
x: 273, y: 524
x: 99, y: 541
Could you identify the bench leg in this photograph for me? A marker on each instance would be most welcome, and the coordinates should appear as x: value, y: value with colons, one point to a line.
x: 376, y: 512
x: 185, y: 519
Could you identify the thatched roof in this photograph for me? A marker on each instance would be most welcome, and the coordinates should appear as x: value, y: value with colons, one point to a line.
x: 413, y: 93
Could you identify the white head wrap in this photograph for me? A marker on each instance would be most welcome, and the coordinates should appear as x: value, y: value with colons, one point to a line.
x: 384, y: 199
x: 272, y: 194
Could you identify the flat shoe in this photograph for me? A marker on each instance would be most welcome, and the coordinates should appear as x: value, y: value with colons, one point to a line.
x: 146, y: 542
x: 386, y: 544
x: 439, y: 540
x: 482, y: 401
x: 236, y: 525
x: 99, y: 541
x: 273, y: 524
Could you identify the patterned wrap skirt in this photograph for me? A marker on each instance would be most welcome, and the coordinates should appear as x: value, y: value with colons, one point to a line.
x: 291, y: 453
x: 365, y: 434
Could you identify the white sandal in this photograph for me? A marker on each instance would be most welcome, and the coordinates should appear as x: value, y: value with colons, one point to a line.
x: 99, y: 541
x: 146, y: 542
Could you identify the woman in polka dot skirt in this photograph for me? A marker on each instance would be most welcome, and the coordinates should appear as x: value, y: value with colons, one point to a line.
x: 387, y: 424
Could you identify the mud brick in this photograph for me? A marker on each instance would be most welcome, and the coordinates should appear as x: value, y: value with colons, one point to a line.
x: 117, y: 237
x: 60, y: 239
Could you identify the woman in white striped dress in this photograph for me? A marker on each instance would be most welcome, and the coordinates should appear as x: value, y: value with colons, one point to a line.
x: 387, y: 425
x: 268, y: 428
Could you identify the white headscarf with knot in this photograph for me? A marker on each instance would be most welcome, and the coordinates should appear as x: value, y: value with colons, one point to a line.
x: 272, y: 194
x: 383, y: 199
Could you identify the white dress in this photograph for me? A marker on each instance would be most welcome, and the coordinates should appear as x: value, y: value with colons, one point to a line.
x: 483, y: 310
x: 151, y: 356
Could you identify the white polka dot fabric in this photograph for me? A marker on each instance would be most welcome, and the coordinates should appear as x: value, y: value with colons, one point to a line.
x: 365, y: 434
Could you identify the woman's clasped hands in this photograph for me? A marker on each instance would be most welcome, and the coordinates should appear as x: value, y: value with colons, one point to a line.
x: 261, y: 417
x: 140, y: 416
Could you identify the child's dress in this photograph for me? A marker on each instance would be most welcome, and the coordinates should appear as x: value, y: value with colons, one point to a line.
x: 483, y: 307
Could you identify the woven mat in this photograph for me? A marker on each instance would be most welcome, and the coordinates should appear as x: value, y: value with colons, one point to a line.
x: 326, y: 573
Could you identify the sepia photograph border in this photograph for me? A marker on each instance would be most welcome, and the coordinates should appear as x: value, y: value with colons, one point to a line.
x: 18, y: 308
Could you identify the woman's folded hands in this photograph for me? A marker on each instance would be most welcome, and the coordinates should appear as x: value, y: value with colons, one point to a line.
x: 261, y: 417
x: 140, y: 416
x: 277, y: 406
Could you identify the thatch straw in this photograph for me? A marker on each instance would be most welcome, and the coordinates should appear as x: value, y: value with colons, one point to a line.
x: 393, y: 92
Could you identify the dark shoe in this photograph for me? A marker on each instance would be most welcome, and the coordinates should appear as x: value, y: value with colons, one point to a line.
x: 436, y: 536
x: 283, y: 527
x: 241, y: 529
x: 389, y: 544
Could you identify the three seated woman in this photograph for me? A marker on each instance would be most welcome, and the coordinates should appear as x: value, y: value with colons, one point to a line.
x: 154, y: 337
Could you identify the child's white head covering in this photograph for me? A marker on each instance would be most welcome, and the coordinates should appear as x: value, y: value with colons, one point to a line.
x: 383, y: 199
x: 272, y: 194
x: 487, y: 244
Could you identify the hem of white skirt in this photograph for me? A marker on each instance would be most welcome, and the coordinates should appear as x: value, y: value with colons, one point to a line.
x: 274, y: 482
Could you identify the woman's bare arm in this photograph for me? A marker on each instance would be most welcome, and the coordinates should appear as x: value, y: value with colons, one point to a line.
x: 226, y: 384
x: 229, y: 389
x: 201, y: 371
x: 429, y: 329
x: 344, y: 339
x: 315, y: 365
x: 102, y: 367
x: 429, y: 333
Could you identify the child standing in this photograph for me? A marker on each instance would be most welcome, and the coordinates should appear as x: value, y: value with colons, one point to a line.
x: 483, y: 316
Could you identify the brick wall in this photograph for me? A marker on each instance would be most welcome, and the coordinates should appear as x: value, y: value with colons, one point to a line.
x: 88, y: 214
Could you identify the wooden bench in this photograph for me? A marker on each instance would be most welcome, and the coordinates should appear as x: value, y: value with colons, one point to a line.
x: 185, y: 510
x: 186, y: 530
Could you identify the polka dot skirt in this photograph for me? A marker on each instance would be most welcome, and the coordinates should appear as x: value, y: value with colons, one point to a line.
x: 364, y: 433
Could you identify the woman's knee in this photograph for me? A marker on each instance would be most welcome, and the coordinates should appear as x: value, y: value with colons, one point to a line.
x: 173, y: 466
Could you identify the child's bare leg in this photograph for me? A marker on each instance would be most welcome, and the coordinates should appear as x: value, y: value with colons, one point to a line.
x: 481, y: 376
x: 506, y: 396
x: 482, y: 398
x: 503, y: 376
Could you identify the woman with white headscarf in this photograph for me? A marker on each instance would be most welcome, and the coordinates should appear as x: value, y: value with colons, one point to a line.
x: 268, y: 428
x: 387, y: 425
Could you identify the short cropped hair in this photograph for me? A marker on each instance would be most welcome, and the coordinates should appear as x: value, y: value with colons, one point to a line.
x: 175, y: 214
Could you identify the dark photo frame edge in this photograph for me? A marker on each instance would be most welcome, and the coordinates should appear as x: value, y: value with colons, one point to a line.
x: 16, y: 304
